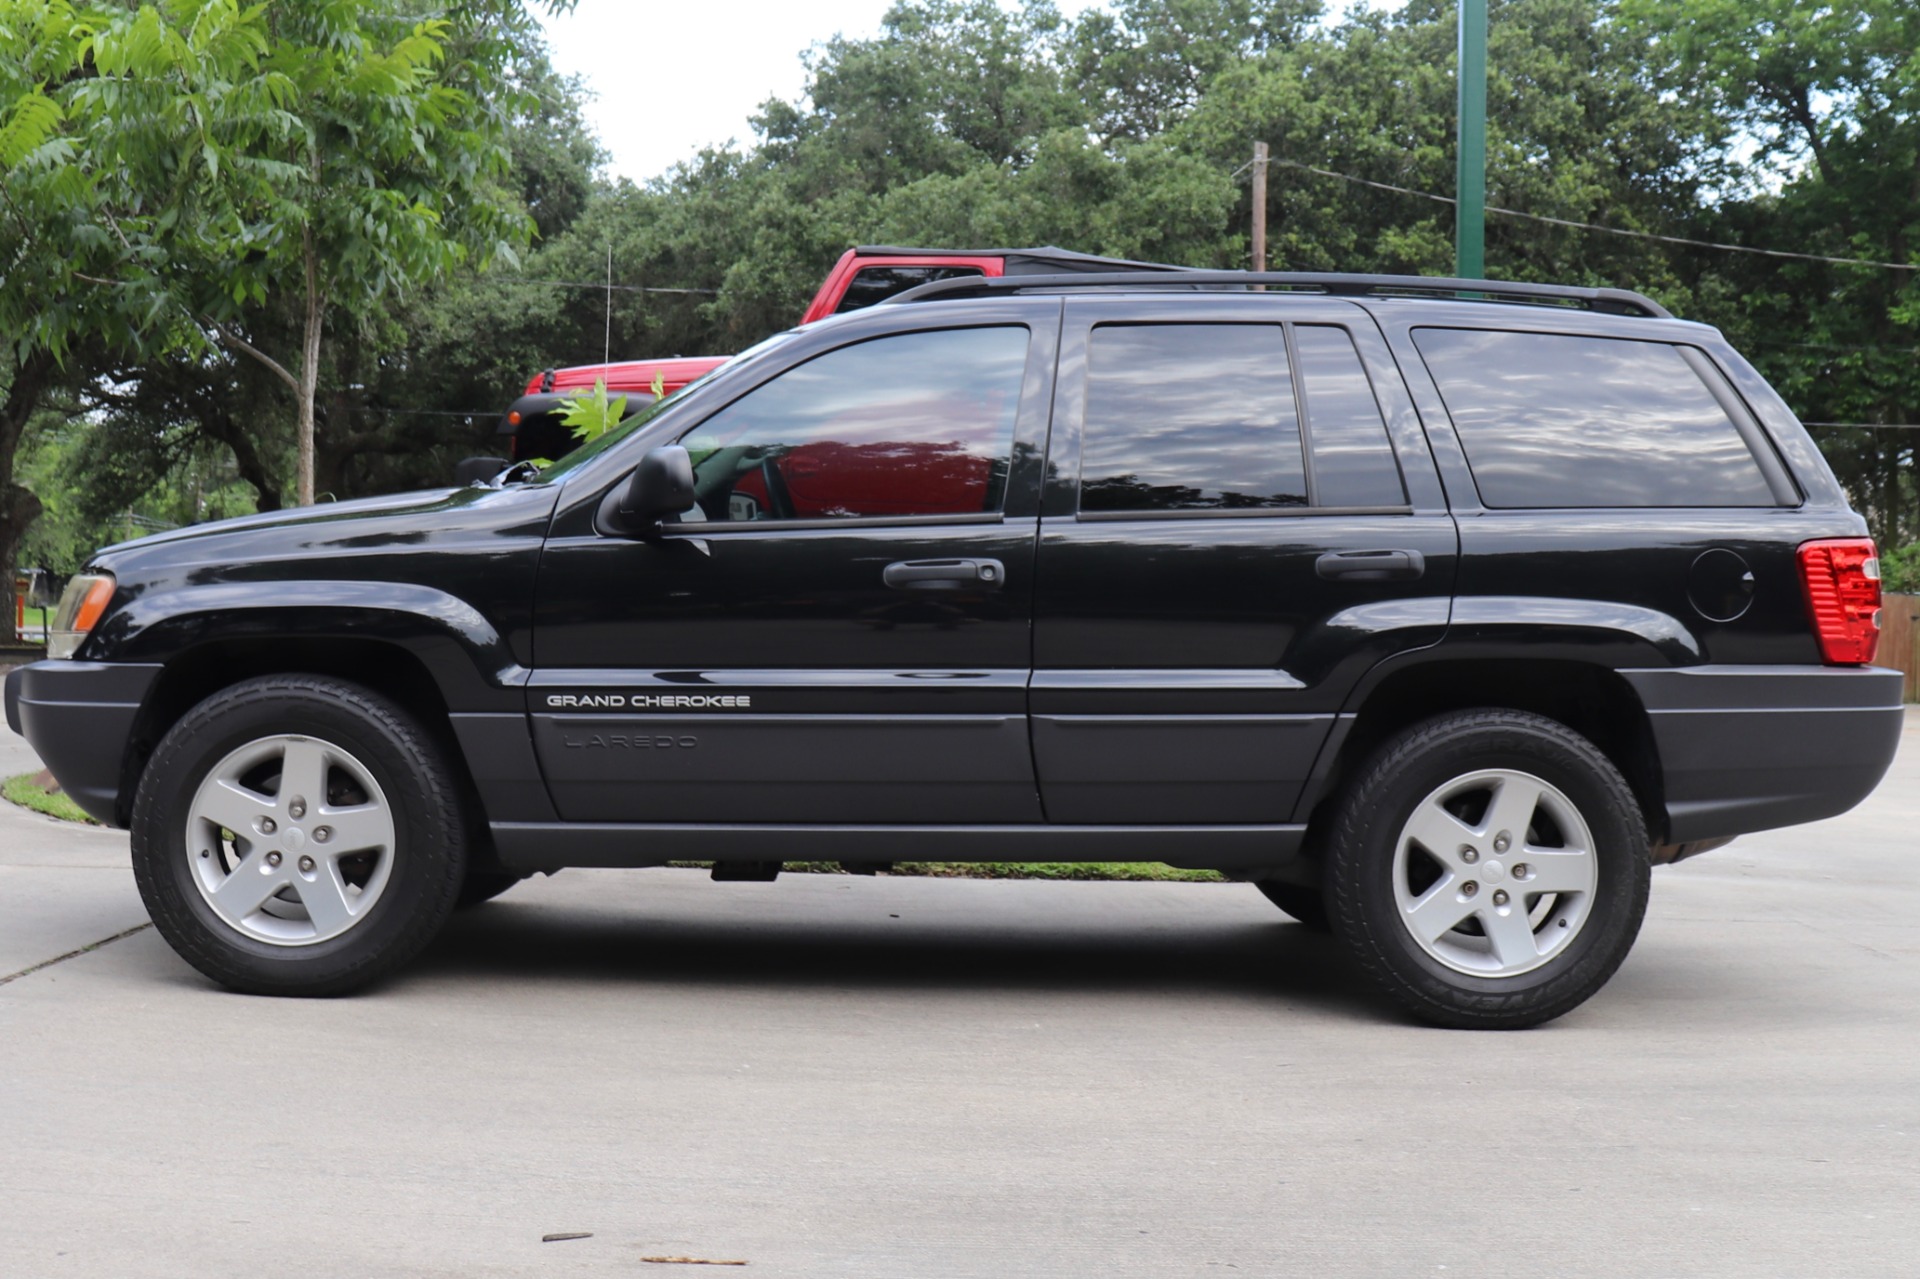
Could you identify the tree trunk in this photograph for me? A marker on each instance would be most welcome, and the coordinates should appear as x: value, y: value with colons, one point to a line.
x: 18, y: 508
x: 309, y: 368
x: 246, y: 459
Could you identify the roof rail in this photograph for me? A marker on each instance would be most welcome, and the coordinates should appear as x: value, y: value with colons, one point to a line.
x: 1612, y: 301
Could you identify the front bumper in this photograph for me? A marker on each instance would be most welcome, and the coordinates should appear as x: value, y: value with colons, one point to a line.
x: 1746, y: 748
x: 79, y: 716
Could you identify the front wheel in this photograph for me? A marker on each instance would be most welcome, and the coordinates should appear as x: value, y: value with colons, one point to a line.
x: 294, y: 835
x: 1489, y: 869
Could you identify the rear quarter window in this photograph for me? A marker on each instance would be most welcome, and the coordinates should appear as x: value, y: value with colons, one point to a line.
x: 1562, y: 420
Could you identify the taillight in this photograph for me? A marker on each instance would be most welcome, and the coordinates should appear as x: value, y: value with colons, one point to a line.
x: 1842, y: 577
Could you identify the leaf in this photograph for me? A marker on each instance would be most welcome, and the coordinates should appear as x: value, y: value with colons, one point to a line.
x: 590, y: 415
x: 27, y: 126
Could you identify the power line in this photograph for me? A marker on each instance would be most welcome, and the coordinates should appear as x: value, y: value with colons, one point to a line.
x: 1868, y: 426
x: 599, y: 286
x: 1588, y: 226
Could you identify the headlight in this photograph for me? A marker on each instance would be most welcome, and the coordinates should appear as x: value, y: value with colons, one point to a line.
x: 81, y: 607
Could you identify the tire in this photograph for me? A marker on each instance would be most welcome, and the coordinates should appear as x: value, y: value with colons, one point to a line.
x: 1298, y: 902
x: 1479, y: 783
x: 484, y: 886
x: 347, y: 892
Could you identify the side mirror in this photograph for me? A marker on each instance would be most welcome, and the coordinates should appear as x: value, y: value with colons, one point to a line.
x: 662, y: 486
x: 478, y: 470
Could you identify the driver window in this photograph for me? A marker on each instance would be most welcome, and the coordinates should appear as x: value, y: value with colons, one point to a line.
x: 914, y: 424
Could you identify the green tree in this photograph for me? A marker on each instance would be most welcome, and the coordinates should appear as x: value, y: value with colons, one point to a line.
x: 1144, y: 65
x: 947, y: 85
x: 1828, y: 100
x: 1573, y: 132
x: 383, y: 169
x: 392, y: 382
x: 111, y: 119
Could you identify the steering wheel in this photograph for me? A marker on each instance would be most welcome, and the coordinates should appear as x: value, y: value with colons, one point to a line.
x: 777, y: 495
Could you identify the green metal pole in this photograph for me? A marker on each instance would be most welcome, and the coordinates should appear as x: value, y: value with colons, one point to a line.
x: 1470, y: 180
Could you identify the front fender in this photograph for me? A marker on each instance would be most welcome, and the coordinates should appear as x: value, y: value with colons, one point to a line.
x: 469, y: 660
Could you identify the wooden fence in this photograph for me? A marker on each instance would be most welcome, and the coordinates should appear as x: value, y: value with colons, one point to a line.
x: 1899, y: 632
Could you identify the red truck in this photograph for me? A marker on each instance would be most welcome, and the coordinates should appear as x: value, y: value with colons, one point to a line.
x: 862, y: 277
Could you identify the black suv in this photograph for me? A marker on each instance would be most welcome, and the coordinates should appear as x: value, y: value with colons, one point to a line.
x: 1440, y: 610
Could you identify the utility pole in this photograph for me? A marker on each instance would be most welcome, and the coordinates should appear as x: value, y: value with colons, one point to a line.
x: 1470, y: 180
x: 1259, y: 206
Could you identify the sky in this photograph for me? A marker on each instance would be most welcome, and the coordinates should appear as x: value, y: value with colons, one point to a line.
x: 669, y: 79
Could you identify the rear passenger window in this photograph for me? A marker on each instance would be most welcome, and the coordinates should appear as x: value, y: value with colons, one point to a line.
x: 1185, y: 417
x: 1352, y: 460
x: 1556, y: 420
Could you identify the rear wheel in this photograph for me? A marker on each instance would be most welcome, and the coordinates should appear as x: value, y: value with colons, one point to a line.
x: 1489, y: 869
x: 296, y: 835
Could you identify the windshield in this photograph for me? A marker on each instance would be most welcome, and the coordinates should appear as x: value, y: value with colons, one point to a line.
x: 587, y: 452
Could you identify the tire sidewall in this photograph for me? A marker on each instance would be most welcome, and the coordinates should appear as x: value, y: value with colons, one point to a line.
x: 427, y: 863
x: 1400, y: 782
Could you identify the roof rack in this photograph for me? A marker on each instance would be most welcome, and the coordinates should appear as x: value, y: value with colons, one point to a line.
x: 1611, y: 301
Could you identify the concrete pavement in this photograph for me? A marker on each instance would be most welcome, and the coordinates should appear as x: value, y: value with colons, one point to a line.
x: 891, y: 1077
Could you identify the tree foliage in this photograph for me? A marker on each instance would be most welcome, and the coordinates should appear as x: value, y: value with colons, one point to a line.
x: 1829, y: 98
x: 91, y: 198
x: 383, y: 166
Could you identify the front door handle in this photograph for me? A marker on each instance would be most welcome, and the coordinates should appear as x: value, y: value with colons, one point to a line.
x: 944, y: 575
x: 1371, y: 566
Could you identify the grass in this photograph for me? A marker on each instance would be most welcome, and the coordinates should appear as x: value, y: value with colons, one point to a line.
x: 28, y: 793
x: 36, y: 618
x: 1014, y: 870
x: 24, y: 791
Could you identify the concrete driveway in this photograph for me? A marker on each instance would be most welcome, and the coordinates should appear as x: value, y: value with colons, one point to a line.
x: 891, y: 1077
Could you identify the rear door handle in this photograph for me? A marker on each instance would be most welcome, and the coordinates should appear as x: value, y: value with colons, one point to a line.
x: 944, y: 575
x: 1371, y: 566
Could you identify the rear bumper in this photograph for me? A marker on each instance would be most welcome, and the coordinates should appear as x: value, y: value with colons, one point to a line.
x: 78, y: 716
x: 1746, y: 748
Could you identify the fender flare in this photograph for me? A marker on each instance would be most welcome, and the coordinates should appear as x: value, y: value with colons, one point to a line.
x: 467, y: 657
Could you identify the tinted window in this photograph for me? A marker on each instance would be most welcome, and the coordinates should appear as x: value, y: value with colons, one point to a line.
x: 918, y: 424
x: 1352, y: 460
x: 1551, y: 420
x: 1190, y: 417
x: 871, y: 284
